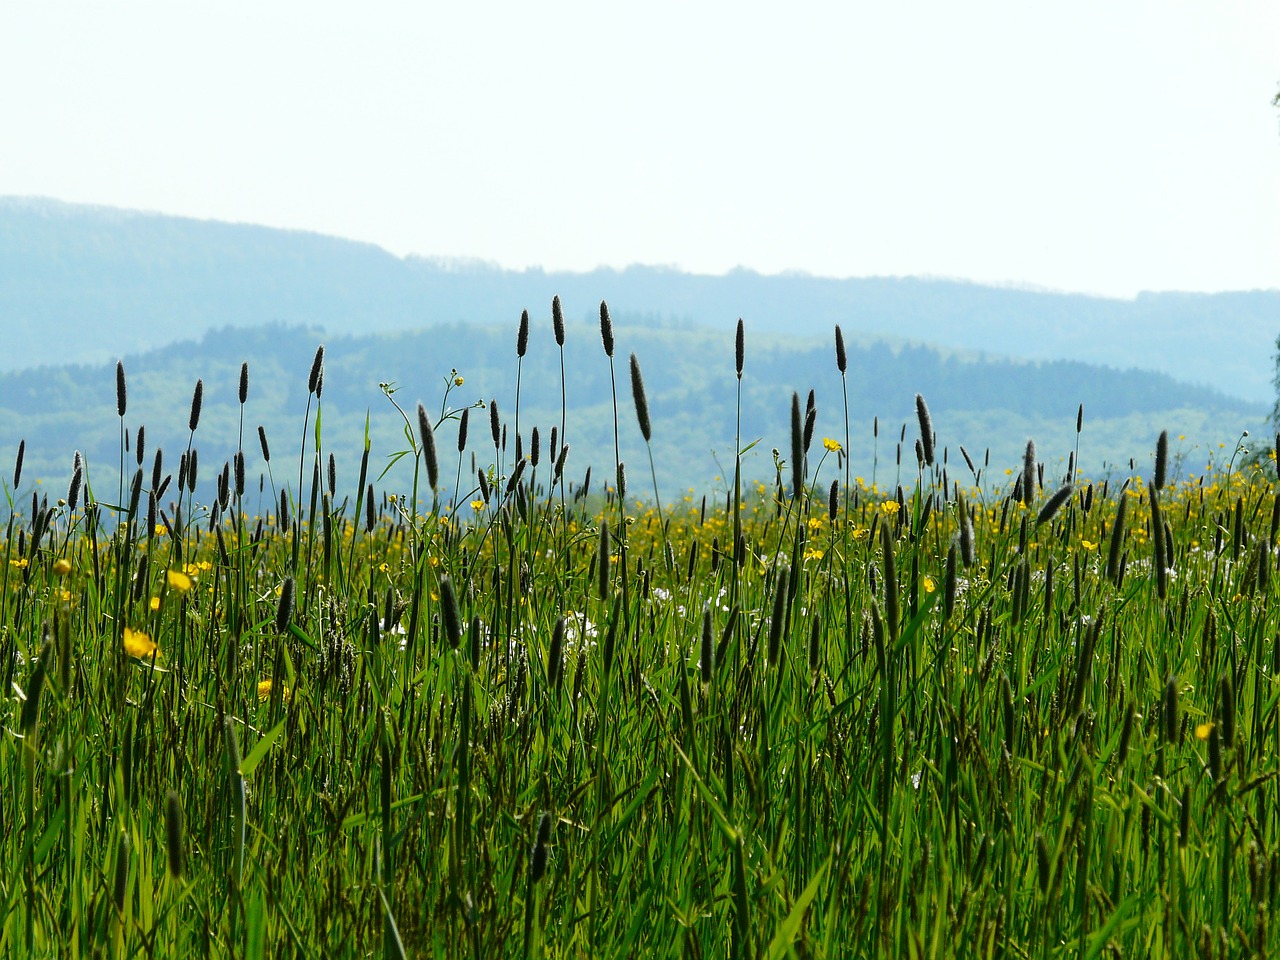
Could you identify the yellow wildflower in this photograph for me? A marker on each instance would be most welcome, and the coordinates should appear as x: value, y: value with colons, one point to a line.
x: 890, y: 507
x: 815, y: 523
x: 155, y: 603
x: 930, y: 585
x: 62, y: 566
x: 458, y: 381
x: 832, y: 445
x: 813, y: 553
x: 477, y: 505
x: 138, y: 644
x: 1203, y: 730
x: 179, y: 581
x: 264, y: 691
x: 1088, y: 544
x: 19, y: 562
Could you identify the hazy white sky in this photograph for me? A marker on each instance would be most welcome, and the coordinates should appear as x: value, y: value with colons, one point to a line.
x: 1106, y: 147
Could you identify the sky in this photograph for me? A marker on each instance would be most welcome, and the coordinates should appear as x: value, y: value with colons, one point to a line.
x: 1100, y: 147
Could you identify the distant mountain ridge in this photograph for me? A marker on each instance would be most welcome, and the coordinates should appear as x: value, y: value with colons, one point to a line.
x: 82, y: 284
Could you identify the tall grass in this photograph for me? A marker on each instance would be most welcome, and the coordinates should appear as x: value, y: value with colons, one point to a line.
x: 498, y: 722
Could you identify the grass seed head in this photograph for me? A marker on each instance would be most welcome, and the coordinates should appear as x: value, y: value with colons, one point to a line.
x: 926, y: 429
x: 538, y: 854
x: 642, y: 404
x: 1029, y: 473
x: 451, y: 615
x: 602, y: 562
x: 317, y: 372
x: 797, y: 448
x: 557, y: 320
x: 284, y: 609
x: 739, y: 348
x: 428, y: 447
x: 522, y: 337
x: 122, y: 395
x: 555, y: 657
x: 197, y: 402
x: 606, y: 330
x: 1054, y: 503
x: 73, y: 491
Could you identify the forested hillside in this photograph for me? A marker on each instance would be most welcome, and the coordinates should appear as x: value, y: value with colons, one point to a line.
x: 985, y: 404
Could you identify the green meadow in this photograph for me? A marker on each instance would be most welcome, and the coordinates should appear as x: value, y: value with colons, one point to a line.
x: 504, y: 712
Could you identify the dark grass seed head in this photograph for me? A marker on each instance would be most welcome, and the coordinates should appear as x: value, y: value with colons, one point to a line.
x: 778, y: 619
x: 926, y: 429
x: 262, y: 442
x: 122, y: 395
x: 557, y: 320
x: 797, y: 448
x: 555, y: 656
x: 284, y: 608
x: 30, y: 714
x: 17, y: 466
x: 317, y: 368
x: 73, y: 491
x: 429, y: 456
x: 638, y: 395
x: 842, y: 358
x: 606, y: 330
x: 1162, y: 459
x: 462, y: 428
x: 1029, y: 473
x: 538, y: 854
x: 739, y: 348
x: 450, y: 613
x: 1054, y: 503
x: 522, y: 337
x: 197, y: 402
x: 602, y: 562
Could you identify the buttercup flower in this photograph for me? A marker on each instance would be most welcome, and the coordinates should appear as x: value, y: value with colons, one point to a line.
x: 138, y: 644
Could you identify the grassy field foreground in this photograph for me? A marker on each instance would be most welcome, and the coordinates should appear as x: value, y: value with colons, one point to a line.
x: 811, y: 719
